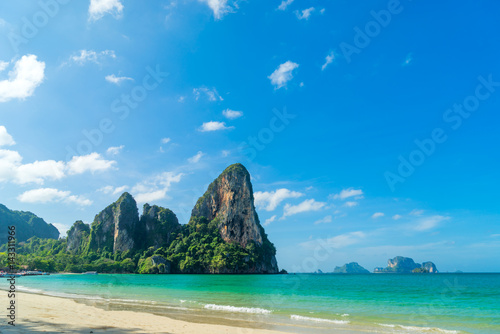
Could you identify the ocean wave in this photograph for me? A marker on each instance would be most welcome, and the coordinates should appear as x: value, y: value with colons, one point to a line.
x: 421, y: 329
x: 26, y: 289
x: 301, y: 318
x: 236, y: 309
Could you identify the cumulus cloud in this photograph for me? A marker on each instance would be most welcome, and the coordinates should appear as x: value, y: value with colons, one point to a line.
x: 92, y: 162
x: 5, y: 138
x: 28, y: 73
x: 428, y: 223
x: 117, y: 80
x: 99, y: 8
x: 327, y: 219
x: 196, y: 158
x: 232, y: 114
x: 156, y: 187
x: 91, y: 56
x: 283, y: 74
x: 114, y: 150
x: 305, y: 206
x: 38, y: 171
x: 214, y: 126
x: 269, y: 200
x: 346, y: 193
x: 165, y: 140
x: 304, y: 14
x: 50, y: 195
x: 284, y: 4
x: 211, y: 94
x: 378, y: 215
x: 328, y: 60
x: 416, y: 212
x: 397, y: 217
x: 337, y: 242
x: 350, y: 204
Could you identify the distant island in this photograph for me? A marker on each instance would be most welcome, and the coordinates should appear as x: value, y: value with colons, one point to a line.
x: 406, y: 265
x: 350, y: 268
x: 224, y: 235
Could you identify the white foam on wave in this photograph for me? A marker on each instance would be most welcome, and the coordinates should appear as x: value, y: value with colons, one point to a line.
x: 421, y: 329
x: 26, y: 289
x: 236, y: 309
x: 302, y: 318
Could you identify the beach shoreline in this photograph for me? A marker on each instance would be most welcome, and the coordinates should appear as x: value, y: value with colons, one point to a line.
x: 40, y: 313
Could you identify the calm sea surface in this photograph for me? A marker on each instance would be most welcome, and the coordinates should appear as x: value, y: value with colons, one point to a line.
x: 383, y: 303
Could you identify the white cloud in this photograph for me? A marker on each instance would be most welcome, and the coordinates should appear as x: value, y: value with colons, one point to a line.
x: 305, y: 14
x: 225, y: 153
x: 117, y: 80
x: 3, y: 65
x: 220, y: 7
x: 328, y: 60
x: 428, y: 223
x: 211, y: 94
x: 5, y: 138
x: 38, y: 171
x: 327, y: 219
x: 416, y: 212
x: 49, y: 195
x: 165, y: 140
x: 214, y: 126
x: 378, y: 215
x: 113, y: 190
x: 27, y: 74
x: 351, y: 204
x: 337, y: 242
x: 114, y: 150
x: 98, y: 8
x: 408, y: 59
x: 269, y: 200
x: 92, y: 162
x: 86, y: 56
x: 283, y: 74
x: 156, y: 187
x: 284, y: 4
x: 196, y: 158
x: 346, y: 193
x: 270, y: 220
x: 9, y: 162
x: 396, y: 217
x: 306, y: 206
x: 232, y: 114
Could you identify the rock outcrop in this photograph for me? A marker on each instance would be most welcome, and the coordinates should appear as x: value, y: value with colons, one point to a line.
x: 115, y: 227
x: 229, y: 201
x: 78, y: 236
x: 405, y: 265
x: 350, y: 268
x: 156, y: 226
x: 27, y: 225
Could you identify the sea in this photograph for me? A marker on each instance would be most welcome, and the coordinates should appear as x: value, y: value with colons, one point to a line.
x: 295, y: 303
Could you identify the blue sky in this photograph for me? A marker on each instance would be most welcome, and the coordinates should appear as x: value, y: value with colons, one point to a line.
x: 370, y: 131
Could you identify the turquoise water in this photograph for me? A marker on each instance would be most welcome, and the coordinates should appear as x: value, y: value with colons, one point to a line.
x: 385, y: 303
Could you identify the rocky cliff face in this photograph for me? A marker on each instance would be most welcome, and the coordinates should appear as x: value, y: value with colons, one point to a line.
x: 156, y: 226
x: 115, y: 227
x: 405, y: 265
x: 27, y: 225
x: 229, y: 201
x: 350, y: 268
x: 77, y: 236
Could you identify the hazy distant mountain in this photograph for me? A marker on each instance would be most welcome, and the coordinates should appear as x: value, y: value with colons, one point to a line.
x: 350, y: 268
x: 405, y: 265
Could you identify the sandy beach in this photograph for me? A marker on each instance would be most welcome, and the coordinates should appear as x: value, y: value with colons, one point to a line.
x: 38, y: 313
